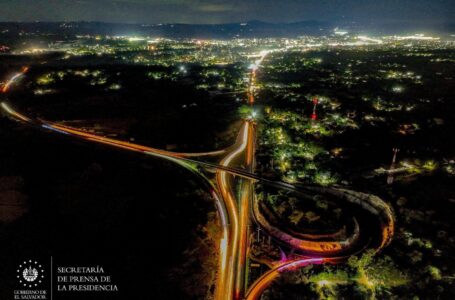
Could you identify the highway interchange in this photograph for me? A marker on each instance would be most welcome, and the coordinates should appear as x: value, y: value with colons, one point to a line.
x: 233, y: 189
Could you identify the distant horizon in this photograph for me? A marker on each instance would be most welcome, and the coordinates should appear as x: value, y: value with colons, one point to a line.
x: 257, y: 28
x: 164, y: 23
x: 228, y: 11
x: 344, y: 23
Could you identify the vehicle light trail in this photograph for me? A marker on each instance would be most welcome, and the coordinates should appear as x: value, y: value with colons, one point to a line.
x: 247, y: 194
x: 138, y: 148
x: 227, y: 290
x: 234, y: 281
x: 264, y: 281
x: 14, y: 113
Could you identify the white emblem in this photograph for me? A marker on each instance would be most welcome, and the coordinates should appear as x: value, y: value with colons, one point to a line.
x: 30, y: 273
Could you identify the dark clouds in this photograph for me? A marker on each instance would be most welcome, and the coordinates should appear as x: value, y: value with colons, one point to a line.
x: 216, y: 11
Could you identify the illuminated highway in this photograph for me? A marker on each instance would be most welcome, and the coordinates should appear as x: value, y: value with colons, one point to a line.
x: 233, y: 191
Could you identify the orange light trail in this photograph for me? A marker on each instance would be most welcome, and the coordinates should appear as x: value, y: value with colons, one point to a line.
x: 265, y: 280
x: 225, y: 291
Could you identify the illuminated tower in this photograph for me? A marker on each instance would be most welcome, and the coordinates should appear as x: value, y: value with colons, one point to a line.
x: 251, y: 88
x: 315, y: 103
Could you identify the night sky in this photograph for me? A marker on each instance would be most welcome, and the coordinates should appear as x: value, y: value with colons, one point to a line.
x: 226, y: 11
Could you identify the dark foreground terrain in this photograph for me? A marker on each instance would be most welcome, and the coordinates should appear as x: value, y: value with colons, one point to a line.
x: 141, y: 219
